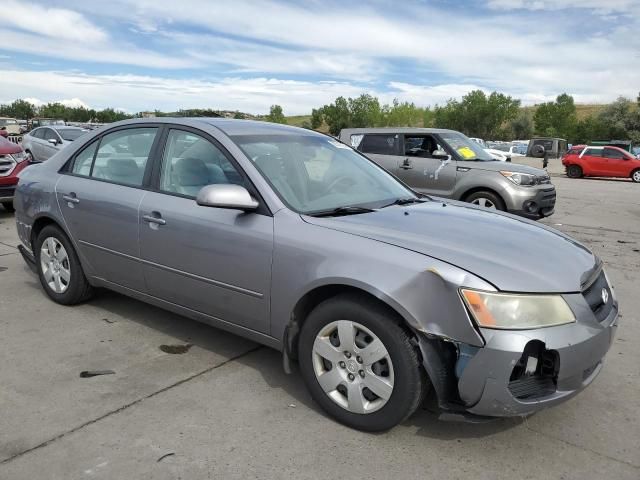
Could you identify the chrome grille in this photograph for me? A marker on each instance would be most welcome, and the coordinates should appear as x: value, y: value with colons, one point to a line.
x: 7, y: 164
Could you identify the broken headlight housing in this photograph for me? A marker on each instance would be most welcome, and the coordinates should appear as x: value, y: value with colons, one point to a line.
x: 522, y: 179
x: 508, y: 311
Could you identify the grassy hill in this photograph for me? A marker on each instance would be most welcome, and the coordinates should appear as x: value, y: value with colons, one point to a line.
x: 582, y: 110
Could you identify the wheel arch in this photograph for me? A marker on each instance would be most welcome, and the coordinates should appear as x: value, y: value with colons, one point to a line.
x: 477, y: 189
x: 318, y: 294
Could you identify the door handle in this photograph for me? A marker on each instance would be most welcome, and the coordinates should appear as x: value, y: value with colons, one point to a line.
x: 155, y: 218
x: 71, y: 198
x: 406, y: 165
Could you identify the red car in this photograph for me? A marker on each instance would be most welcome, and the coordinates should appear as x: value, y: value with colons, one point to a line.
x: 586, y: 161
x: 12, y: 161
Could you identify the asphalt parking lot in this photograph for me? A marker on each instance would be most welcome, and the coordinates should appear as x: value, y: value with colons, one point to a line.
x: 225, y: 409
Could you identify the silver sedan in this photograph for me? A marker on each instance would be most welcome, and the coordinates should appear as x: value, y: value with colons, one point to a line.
x: 295, y: 240
x: 43, y: 142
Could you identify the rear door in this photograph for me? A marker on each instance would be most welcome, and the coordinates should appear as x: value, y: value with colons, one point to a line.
x: 592, y: 162
x: 423, y: 171
x: 99, y: 197
x: 382, y: 148
x: 36, y: 144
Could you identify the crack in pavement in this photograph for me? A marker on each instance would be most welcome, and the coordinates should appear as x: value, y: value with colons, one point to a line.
x: 130, y: 404
x: 582, y: 447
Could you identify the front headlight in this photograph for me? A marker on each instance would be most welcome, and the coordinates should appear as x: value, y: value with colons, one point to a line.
x: 18, y: 157
x: 517, y: 311
x: 522, y: 179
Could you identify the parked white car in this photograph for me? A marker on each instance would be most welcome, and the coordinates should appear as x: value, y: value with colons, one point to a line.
x: 43, y: 142
x: 495, y: 154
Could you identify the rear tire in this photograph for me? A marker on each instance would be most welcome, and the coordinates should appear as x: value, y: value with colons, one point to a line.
x: 391, y: 367
x: 8, y: 206
x: 486, y: 199
x: 635, y: 175
x: 574, y: 171
x: 59, y: 268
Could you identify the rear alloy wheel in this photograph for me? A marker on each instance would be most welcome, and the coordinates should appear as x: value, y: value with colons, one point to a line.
x: 59, y: 268
x: 635, y: 175
x: 574, y: 171
x: 360, y: 364
x: 8, y: 206
x: 487, y: 200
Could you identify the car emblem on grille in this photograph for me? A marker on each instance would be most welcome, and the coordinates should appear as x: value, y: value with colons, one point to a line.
x: 605, y: 296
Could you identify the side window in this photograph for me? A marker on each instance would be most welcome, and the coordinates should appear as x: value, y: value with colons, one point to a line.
x: 611, y: 153
x: 419, y: 146
x: 191, y: 162
x: 38, y: 133
x: 122, y: 156
x: 380, y: 144
x: 84, y: 159
x: 592, y: 152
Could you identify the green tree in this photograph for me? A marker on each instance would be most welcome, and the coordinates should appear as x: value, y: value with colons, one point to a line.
x: 556, y: 119
x: 239, y: 116
x: 521, y: 127
x: 276, y: 115
x: 477, y: 114
x: 19, y: 109
x: 317, y: 118
x: 364, y: 111
x: 337, y: 115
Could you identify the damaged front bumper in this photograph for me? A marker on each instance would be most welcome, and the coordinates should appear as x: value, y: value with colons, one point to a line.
x: 521, y: 372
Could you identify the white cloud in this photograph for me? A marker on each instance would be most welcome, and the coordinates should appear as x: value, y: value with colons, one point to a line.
x: 52, y: 22
x: 599, y: 6
x: 139, y: 93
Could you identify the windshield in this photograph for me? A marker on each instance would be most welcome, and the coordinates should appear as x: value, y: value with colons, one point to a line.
x: 314, y: 174
x: 465, y: 147
x: 70, y: 134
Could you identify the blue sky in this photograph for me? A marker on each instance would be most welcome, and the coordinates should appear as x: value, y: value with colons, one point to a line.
x: 145, y: 54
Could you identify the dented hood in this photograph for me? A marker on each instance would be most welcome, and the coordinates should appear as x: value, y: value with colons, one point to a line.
x: 512, y: 253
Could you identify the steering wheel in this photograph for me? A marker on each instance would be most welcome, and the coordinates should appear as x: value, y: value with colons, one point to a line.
x: 341, y: 179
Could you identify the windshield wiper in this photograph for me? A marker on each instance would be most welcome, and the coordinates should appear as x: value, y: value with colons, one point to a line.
x: 341, y: 211
x: 404, y: 201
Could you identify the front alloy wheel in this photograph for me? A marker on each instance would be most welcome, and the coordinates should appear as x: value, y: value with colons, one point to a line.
x: 360, y: 363
x: 353, y: 366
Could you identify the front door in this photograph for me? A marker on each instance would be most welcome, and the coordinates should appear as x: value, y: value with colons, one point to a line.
x: 215, y: 261
x: 99, y: 199
x: 47, y: 148
x: 617, y: 162
x: 423, y: 171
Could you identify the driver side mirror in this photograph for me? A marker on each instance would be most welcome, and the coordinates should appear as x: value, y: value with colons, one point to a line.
x: 229, y: 196
x: 53, y: 141
x: 441, y: 154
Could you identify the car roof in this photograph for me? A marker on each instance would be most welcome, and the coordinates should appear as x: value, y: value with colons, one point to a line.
x: 62, y: 127
x: 229, y: 126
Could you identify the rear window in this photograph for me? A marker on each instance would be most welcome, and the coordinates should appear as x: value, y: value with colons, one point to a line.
x: 70, y: 134
x: 575, y: 151
x: 385, y: 144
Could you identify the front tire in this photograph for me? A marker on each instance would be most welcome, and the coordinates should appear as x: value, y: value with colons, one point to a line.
x: 359, y: 364
x: 574, y: 171
x: 8, y: 206
x: 486, y: 199
x: 59, y: 268
x: 635, y: 175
